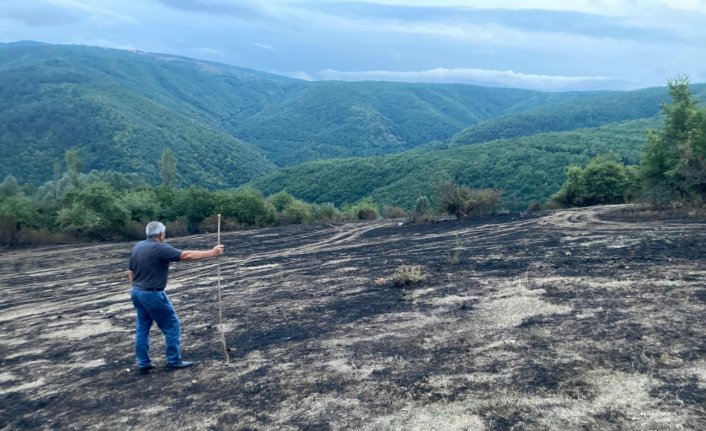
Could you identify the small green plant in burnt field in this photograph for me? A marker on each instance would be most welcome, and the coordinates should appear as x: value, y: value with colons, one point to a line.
x: 408, y: 275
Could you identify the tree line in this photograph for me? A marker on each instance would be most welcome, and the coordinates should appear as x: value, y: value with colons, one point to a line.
x: 672, y: 170
x: 111, y: 206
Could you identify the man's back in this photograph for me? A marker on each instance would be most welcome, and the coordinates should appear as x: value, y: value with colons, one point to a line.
x: 149, y: 263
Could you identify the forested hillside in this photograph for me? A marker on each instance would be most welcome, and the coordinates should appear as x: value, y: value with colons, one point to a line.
x: 527, y: 169
x: 227, y: 125
x: 334, y: 119
x: 119, y: 110
x: 593, y: 110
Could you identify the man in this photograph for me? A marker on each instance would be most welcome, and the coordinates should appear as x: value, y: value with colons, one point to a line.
x: 148, y: 271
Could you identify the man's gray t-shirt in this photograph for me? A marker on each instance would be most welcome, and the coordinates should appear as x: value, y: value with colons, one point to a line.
x: 149, y: 264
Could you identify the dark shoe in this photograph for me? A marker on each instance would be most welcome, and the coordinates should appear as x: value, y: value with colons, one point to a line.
x: 144, y: 370
x: 179, y: 365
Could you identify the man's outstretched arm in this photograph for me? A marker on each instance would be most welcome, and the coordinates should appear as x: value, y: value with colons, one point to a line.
x: 190, y: 255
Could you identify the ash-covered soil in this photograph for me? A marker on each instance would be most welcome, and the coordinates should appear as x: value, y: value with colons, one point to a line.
x: 578, y: 319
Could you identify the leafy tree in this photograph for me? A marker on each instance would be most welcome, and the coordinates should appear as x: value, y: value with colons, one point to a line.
x: 16, y: 211
x: 422, y: 210
x: 73, y: 163
x: 454, y: 199
x: 325, y: 212
x: 194, y: 203
x: 9, y: 187
x: 166, y: 199
x: 573, y: 189
x: 56, y: 185
x: 167, y: 168
x: 281, y: 200
x: 93, y: 212
x: 297, y: 212
x: 247, y: 206
x: 674, y: 158
x: 142, y: 204
x: 692, y: 154
x: 117, y: 181
x: 80, y: 221
x: 604, y: 181
x: 463, y: 201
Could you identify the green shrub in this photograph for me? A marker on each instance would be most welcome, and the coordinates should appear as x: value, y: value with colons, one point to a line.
x: 367, y: 213
x: 463, y: 201
x: 297, y: 212
x: 281, y: 200
x: 362, y: 210
x: 177, y: 227
x: 421, y: 213
x: 394, y: 212
x: 246, y: 206
x: 93, y: 212
x: 406, y: 275
x: 324, y: 213
x: 604, y: 181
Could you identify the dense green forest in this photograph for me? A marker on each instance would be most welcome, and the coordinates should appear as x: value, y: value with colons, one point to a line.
x: 528, y: 169
x: 227, y: 125
x: 118, y: 114
x: 596, y: 110
x: 95, y: 142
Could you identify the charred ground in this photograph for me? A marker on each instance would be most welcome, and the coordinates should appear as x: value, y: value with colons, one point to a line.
x: 579, y: 319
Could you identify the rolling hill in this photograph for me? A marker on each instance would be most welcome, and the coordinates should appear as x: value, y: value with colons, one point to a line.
x: 229, y: 125
x: 321, y: 141
x: 117, y: 109
x: 528, y: 169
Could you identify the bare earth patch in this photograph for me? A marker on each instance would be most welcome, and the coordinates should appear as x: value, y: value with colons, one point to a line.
x: 577, y: 319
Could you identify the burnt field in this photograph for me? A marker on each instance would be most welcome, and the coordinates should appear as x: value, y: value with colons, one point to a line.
x: 578, y: 319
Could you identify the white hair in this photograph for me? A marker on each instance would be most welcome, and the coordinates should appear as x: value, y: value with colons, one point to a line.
x: 154, y: 228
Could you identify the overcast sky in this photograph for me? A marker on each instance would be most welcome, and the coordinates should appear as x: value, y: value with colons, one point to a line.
x: 537, y: 44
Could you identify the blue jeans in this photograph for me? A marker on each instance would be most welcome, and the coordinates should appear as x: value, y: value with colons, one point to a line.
x: 155, y: 307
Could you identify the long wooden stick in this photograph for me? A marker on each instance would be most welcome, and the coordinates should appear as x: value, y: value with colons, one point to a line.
x: 220, y: 303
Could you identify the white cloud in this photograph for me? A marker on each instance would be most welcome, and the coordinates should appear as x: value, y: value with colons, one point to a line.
x: 208, y: 52
x: 501, y: 78
x: 598, y: 7
x: 104, y: 43
x: 264, y: 46
x: 105, y: 14
x: 299, y: 75
x: 481, y: 34
x: 529, y: 43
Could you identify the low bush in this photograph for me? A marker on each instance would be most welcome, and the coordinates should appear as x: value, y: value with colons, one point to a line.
x: 395, y: 212
x: 406, y: 275
x: 462, y: 201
